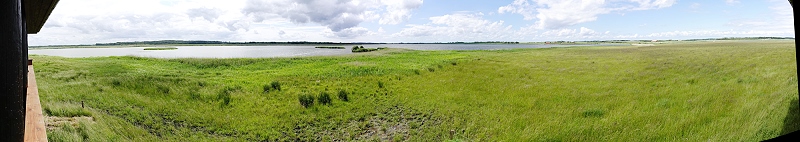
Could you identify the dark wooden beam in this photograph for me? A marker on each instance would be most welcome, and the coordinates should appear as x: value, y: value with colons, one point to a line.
x: 37, y: 12
x: 13, y: 70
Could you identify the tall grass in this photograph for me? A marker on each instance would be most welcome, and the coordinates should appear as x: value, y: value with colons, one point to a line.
x: 723, y: 91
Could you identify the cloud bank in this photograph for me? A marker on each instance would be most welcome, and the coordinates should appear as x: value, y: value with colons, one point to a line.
x: 554, y: 14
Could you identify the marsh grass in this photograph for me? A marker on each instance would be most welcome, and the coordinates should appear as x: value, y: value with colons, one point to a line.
x: 66, y: 109
x: 697, y: 91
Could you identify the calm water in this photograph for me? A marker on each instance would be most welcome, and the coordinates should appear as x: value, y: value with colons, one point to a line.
x: 260, y: 51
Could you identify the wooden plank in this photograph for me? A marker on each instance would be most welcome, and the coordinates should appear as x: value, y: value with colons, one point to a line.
x: 35, y: 128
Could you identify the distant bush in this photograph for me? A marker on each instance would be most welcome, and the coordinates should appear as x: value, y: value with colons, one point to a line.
x: 416, y: 72
x: 431, y: 69
x: 454, y: 63
x: 306, y: 100
x: 380, y: 84
x: 362, y: 49
x: 343, y: 96
x: 324, y: 98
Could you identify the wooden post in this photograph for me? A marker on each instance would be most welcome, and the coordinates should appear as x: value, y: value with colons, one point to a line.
x: 13, y: 70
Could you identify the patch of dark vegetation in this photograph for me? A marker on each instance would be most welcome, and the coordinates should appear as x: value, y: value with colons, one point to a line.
x: 276, y: 85
x: 416, y: 72
x: 163, y: 89
x: 430, y: 69
x: 331, y: 47
x: 194, y: 95
x: 116, y: 82
x: 593, y: 113
x: 380, y: 84
x: 306, y: 100
x: 343, y: 96
x: 224, y: 95
x: 273, y: 86
x: 324, y: 98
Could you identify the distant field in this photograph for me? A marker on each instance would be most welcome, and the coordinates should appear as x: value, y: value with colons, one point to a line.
x: 699, y: 91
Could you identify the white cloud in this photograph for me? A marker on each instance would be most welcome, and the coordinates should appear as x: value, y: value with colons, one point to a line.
x: 779, y: 21
x: 93, y: 21
x: 462, y: 26
x: 555, y: 14
x: 341, y: 17
x: 732, y: 2
x: 398, y: 11
x: 210, y: 14
x: 349, y: 33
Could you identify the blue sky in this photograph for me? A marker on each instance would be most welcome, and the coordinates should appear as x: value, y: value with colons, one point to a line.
x: 100, y: 21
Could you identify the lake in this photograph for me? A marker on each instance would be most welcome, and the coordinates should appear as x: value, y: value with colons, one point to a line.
x: 265, y: 51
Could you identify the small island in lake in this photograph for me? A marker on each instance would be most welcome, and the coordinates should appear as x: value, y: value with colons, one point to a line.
x: 331, y: 47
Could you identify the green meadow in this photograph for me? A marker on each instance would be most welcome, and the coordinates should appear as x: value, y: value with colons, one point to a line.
x: 696, y: 91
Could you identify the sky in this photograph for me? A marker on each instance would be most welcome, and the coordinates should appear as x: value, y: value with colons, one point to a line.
x: 104, y: 21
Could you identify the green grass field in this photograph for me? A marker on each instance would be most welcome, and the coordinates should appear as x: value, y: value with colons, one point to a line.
x: 701, y: 91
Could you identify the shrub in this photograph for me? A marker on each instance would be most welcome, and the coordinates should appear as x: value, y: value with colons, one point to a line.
x: 267, y: 88
x: 324, y: 98
x: 276, y: 85
x: 431, y: 69
x: 380, y: 84
x: 343, y: 96
x: 306, y: 100
x: 416, y: 72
